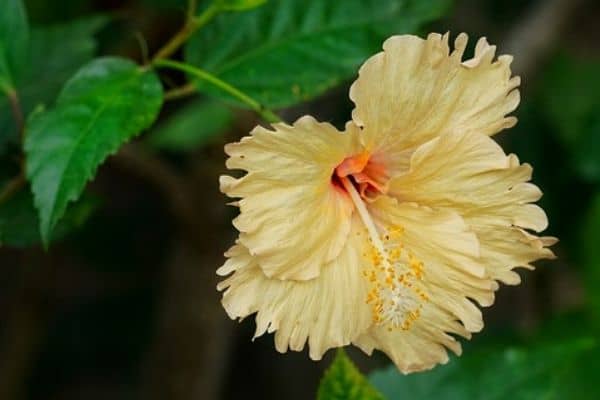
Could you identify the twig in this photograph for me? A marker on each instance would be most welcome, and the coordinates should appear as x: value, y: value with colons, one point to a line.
x: 179, y: 92
x: 192, y: 24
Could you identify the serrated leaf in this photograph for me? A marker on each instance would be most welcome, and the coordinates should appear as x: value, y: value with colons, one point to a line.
x: 293, y: 50
x: 19, y: 222
x: 108, y: 102
x: 343, y: 381
x: 14, y: 34
x: 495, y: 373
x: 56, y: 52
x: 191, y: 126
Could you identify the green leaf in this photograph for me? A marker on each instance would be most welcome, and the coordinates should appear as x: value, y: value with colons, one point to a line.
x: 192, y: 126
x: 240, y: 5
x: 19, y: 223
x: 14, y: 34
x: 56, y: 52
x: 108, y: 102
x: 494, y: 373
x: 343, y: 381
x: 286, y: 53
x: 571, y: 99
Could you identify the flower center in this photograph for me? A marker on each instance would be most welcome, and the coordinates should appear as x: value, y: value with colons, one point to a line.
x: 367, y: 174
x: 395, y: 274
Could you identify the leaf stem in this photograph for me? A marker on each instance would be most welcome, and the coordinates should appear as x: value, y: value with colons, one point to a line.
x: 201, y: 74
x: 192, y: 24
x: 180, y: 92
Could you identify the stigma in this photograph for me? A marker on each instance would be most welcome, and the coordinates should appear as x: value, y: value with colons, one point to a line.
x: 394, y: 274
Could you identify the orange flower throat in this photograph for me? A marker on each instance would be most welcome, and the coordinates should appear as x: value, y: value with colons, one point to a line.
x: 369, y: 176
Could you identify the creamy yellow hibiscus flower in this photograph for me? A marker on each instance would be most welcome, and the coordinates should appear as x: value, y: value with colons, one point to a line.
x: 388, y: 234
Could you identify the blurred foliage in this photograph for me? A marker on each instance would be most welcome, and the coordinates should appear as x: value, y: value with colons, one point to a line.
x: 19, y: 223
x: 571, y: 100
x: 192, y: 126
x: 342, y: 381
x: 536, y: 371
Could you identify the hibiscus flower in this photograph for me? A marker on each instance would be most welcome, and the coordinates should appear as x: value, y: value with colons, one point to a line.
x: 388, y: 234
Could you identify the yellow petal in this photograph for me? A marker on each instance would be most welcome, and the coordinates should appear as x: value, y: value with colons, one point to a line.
x: 416, y: 89
x: 327, y: 311
x: 419, y: 348
x: 449, y: 251
x: 450, y: 275
x: 292, y: 219
x: 469, y: 173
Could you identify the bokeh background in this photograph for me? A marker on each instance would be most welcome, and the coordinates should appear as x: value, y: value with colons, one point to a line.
x: 124, y: 306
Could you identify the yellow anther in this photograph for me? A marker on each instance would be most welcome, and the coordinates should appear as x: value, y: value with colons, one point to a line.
x: 394, y: 275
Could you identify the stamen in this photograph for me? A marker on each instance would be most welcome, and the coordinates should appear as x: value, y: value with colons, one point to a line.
x: 396, y: 296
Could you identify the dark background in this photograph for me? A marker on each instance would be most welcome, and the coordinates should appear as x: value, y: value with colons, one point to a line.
x: 125, y: 307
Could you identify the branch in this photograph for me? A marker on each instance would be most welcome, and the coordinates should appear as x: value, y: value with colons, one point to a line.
x: 192, y: 24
